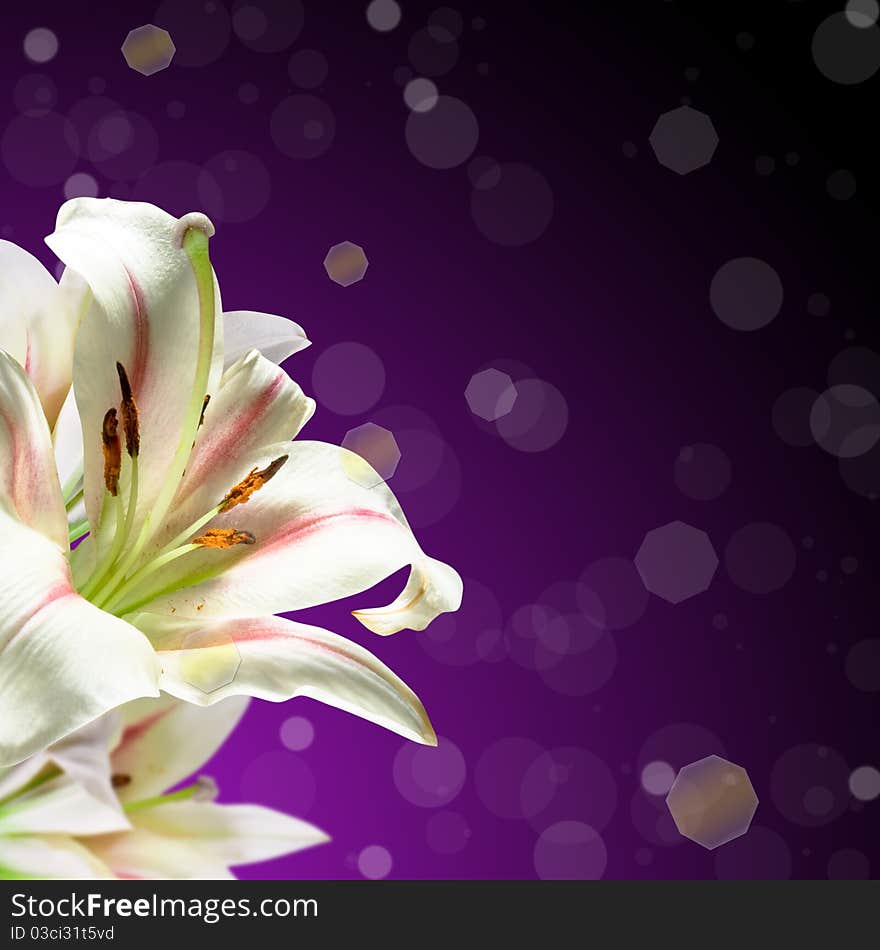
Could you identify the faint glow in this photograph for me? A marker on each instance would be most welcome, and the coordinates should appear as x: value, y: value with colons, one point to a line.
x: 420, y: 94
x: 346, y: 263
x: 864, y: 783
x: 372, y: 455
x: 490, y: 394
x: 209, y: 665
x: 845, y: 52
x: 302, y: 126
x: 307, y: 68
x: 791, y: 416
x: 297, y: 733
x: 538, y: 419
x: 445, y: 136
x: 429, y: 777
x: 512, y: 204
x: 267, y: 26
x: 383, y: 15
x: 40, y: 45
x: 760, y: 558
x: 80, y: 185
x: 657, y: 777
x: 374, y: 862
x: 348, y: 378
x: 570, y: 850
x: 845, y: 420
x: 746, y: 294
x: 676, y: 561
x: 568, y: 781
x: 684, y: 140
x: 862, y: 13
x: 809, y: 785
x: 841, y: 184
x: 616, y: 583
x: 863, y: 665
x: 702, y: 471
x: 432, y: 51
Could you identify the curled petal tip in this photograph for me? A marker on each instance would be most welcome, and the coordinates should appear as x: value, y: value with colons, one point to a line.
x: 194, y: 219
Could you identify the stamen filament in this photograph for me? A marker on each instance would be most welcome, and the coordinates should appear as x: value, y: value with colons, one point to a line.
x: 78, y: 530
x: 110, y: 597
x: 71, y: 502
x: 195, y: 244
x: 73, y: 484
x: 198, y: 788
x: 103, y: 564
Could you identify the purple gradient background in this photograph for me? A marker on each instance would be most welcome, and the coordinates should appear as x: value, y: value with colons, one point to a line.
x: 611, y: 306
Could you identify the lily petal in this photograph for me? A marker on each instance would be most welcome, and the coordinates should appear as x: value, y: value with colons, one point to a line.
x: 28, y: 480
x: 53, y: 856
x: 63, y: 662
x: 14, y: 779
x: 83, y: 756
x: 320, y: 535
x: 60, y: 806
x: 67, y: 440
x: 277, y: 659
x: 199, y: 840
x: 257, y: 405
x: 146, y: 314
x: 275, y: 337
x: 165, y: 740
x: 38, y: 323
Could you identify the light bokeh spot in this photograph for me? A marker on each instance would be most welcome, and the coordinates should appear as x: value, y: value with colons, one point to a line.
x: 712, y: 801
x: 346, y: 263
x: 148, y: 49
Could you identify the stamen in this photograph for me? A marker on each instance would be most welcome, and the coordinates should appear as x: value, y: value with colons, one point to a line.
x: 119, y: 780
x: 204, y: 407
x: 112, y: 451
x: 253, y: 481
x: 129, y: 409
x: 224, y: 538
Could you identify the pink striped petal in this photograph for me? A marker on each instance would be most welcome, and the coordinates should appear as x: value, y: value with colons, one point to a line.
x: 276, y: 659
x: 28, y: 481
x: 63, y: 662
x: 145, y: 314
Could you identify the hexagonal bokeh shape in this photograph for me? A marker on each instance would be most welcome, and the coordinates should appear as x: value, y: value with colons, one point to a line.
x: 684, y: 139
x: 712, y: 801
x: 346, y: 263
x: 148, y: 49
x: 208, y: 666
x: 490, y: 394
x: 676, y: 561
x: 372, y: 456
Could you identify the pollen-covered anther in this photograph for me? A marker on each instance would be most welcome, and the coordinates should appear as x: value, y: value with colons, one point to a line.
x: 224, y: 538
x: 112, y: 451
x: 253, y: 481
x: 120, y: 780
x: 129, y: 409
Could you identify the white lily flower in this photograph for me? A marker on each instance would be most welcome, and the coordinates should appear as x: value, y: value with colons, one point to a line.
x: 203, y: 520
x: 97, y: 807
